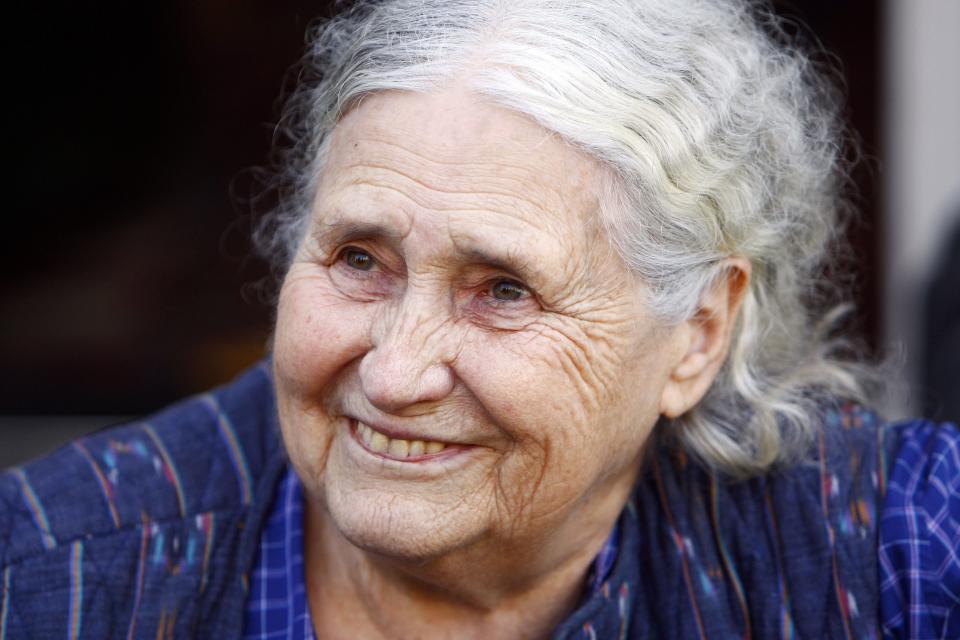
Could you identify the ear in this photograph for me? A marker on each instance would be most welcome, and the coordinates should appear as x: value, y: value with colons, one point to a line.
x: 706, y: 339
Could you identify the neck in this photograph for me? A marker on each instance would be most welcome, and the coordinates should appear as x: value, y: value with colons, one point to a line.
x: 471, y: 593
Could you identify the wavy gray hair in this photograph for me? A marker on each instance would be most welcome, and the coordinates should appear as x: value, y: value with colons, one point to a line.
x: 721, y: 139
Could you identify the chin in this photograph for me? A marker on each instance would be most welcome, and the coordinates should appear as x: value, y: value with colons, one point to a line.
x: 401, y: 527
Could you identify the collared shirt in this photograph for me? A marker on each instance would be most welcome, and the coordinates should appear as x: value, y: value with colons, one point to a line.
x: 919, y: 567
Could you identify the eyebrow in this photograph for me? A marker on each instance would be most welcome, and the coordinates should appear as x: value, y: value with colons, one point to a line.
x: 509, y: 259
x: 506, y: 260
x: 338, y: 232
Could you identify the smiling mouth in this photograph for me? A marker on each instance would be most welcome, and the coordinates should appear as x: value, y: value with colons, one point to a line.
x: 397, y: 448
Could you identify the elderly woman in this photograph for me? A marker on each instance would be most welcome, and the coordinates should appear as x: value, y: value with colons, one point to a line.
x: 549, y: 359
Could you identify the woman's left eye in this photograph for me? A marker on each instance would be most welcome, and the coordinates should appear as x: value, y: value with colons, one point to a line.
x: 508, y: 290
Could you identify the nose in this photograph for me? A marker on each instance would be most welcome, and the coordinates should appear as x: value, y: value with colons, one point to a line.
x: 408, y: 364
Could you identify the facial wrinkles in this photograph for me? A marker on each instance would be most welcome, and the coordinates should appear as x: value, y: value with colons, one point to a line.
x: 471, y: 235
x: 434, y: 176
x: 596, y: 371
x: 413, y: 337
x: 500, y: 199
x: 548, y: 255
x: 457, y: 166
x: 590, y: 365
x: 593, y: 367
x: 569, y: 357
x: 457, y: 170
x: 547, y: 491
x: 571, y: 342
x: 438, y: 177
x: 414, y: 329
x: 533, y: 456
x: 595, y: 332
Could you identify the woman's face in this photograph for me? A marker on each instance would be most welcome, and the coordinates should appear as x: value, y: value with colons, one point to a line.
x: 460, y: 359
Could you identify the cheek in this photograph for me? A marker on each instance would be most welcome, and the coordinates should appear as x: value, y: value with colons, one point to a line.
x: 317, y: 334
x: 566, y: 393
x: 540, y: 378
x: 570, y: 431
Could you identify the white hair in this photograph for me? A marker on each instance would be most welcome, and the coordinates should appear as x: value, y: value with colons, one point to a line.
x: 721, y: 138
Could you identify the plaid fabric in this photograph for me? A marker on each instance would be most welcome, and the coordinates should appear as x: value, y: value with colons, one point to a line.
x: 277, y: 605
x: 920, y: 537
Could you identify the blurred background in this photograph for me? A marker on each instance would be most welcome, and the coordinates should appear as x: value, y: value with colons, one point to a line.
x: 128, y: 280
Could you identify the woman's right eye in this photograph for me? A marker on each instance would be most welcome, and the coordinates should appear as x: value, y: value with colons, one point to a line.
x: 505, y: 290
x: 358, y: 259
x: 357, y: 273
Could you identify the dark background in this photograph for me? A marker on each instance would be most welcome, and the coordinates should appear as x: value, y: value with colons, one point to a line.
x: 127, y: 278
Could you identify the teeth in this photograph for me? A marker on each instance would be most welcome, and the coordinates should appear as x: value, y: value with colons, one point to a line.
x: 379, y: 442
x: 399, y: 448
x: 396, y: 447
x: 365, y: 432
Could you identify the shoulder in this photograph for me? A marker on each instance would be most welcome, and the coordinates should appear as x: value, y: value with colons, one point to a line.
x: 925, y: 452
x: 792, y: 549
x: 920, y: 532
x: 199, y: 456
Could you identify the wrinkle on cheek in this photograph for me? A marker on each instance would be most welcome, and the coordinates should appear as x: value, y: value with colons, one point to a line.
x: 599, y: 300
x: 515, y: 504
x: 574, y: 297
x: 590, y: 370
x: 308, y: 448
x: 550, y: 488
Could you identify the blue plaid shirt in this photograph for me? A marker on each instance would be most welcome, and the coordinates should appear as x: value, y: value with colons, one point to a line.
x: 919, y: 539
x: 277, y: 605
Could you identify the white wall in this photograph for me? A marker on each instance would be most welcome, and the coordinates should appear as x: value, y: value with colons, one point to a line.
x: 921, y: 172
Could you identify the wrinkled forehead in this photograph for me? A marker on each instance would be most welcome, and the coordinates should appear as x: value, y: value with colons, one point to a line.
x: 455, y: 151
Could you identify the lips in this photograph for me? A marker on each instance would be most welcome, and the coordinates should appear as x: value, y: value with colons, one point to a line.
x: 397, y: 448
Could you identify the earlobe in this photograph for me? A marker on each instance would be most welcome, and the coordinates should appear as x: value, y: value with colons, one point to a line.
x: 671, y: 400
